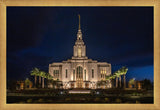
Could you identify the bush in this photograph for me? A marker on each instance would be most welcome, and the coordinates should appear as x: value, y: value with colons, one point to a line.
x: 67, y: 99
x: 49, y: 100
x: 118, y: 100
x: 40, y: 100
x: 76, y: 98
x: 29, y: 100
x: 97, y: 99
x: 88, y: 99
x: 137, y: 102
x: 106, y: 99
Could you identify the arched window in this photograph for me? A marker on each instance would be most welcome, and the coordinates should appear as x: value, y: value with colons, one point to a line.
x: 73, y: 75
x: 85, y: 75
x: 92, y: 73
x: 66, y: 73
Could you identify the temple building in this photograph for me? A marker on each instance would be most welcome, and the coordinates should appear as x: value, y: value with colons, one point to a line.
x: 79, y: 71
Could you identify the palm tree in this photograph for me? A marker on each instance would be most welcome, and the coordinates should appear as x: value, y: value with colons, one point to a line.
x: 117, y: 74
x: 35, y: 72
x: 49, y: 77
x: 43, y: 75
x: 123, y: 71
x: 39, y: 78
x: 108, y: 77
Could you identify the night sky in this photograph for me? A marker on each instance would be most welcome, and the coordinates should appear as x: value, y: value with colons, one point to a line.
x: 38, y: 36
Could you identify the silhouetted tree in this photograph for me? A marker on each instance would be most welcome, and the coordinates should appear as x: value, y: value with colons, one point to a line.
x: 11, y: 85
x: 35, y: 72
x: 147, y: 84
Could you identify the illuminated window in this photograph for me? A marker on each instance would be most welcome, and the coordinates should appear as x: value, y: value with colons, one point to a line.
x: 79, y: 72
x: 56, y: 73
x: 79, y: 52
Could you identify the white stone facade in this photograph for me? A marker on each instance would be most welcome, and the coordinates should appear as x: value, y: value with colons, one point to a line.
x: 79, y: 71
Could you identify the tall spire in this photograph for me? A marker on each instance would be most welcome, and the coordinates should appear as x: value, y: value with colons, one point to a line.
x: 79, y: 34
x: 79, y: 21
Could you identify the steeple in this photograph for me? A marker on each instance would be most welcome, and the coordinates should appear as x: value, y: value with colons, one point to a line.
x: 79, y: 49
x: 79, y: 22
x: 79, y: 34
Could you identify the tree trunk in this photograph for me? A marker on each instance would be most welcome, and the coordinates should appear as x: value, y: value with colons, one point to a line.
x: 39, y: 80
x: 120, y: 80
x: 124, y: 80
x: 42, y: 82
x: 112, y: 83
x: 116, y: 82
x: 35, y: 80
x: 39, y: 85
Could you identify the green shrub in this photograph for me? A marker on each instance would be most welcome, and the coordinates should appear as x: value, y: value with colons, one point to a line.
x: 49, y: 100
x: 29, y: 100
x: 97, y: 99
x: 118, y: 100
x: 76, y: 98
x: 67, y: 99
x: 137, y: 102
x: 106, y: 99
x: 135, y: 94
x: 40, y: 100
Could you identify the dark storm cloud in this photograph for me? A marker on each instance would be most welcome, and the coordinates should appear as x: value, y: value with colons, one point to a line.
x: 37, y: 36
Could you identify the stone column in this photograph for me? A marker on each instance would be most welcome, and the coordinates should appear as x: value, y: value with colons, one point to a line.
x: 124, y: 80
x: 116, y: 82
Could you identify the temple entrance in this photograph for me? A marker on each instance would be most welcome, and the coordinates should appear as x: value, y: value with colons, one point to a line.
x: 79, y: 77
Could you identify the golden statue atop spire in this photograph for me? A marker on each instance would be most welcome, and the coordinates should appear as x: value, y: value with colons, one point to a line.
x: 79, y: 21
